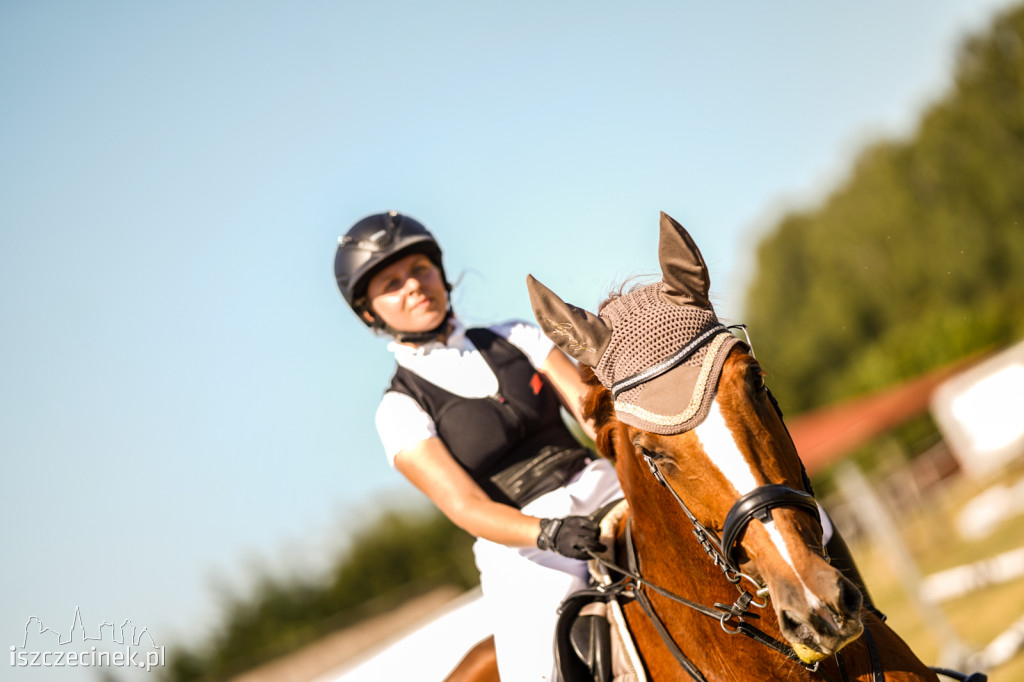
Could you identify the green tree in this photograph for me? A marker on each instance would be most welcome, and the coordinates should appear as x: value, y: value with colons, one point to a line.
x: 915, y: 259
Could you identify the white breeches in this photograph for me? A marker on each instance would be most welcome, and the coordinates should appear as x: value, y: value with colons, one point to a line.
x: 523, y: 587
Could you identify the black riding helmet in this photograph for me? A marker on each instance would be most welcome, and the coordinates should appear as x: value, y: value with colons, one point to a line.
x: 373, y: 243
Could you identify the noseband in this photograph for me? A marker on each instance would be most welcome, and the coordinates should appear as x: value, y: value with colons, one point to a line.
x: 758, y: 504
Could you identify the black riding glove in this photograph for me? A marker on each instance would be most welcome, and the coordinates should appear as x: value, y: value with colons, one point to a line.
x: 571, y: 536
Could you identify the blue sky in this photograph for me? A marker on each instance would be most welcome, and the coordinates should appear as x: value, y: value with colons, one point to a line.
x: 184, y: 396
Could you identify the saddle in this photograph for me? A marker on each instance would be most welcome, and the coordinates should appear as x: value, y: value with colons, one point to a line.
x: 592, y: 639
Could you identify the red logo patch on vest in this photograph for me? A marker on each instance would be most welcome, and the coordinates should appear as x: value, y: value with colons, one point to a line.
x: 536, y: 383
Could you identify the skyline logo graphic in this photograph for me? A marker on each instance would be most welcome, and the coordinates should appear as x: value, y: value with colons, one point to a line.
x: 127, y: 634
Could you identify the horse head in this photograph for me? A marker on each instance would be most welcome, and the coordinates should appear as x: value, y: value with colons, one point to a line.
x: 680, y: 404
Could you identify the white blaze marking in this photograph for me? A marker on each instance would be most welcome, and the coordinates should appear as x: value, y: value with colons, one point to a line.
x: 720, y: 446
x: 780, y: 544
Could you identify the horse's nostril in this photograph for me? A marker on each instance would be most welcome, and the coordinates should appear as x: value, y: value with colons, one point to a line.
x: 850, y: 598
x: 788, y: 623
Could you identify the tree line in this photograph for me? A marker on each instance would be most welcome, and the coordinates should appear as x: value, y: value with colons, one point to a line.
x: 917, y: 258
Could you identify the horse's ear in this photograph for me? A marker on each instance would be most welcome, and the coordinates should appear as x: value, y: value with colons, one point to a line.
x: 682, y: 267
x: 578, y: 332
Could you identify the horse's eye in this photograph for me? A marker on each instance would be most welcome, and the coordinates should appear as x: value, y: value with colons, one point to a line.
x: 650, y: 454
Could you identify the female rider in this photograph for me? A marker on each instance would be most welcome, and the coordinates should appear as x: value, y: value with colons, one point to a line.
x: 472, y: 419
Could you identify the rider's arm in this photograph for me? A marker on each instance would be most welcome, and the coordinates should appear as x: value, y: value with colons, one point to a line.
x: 563, y: 375
x: 430, y: 467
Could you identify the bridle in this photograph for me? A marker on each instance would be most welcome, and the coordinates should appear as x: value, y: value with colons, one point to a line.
x: 756, y: 504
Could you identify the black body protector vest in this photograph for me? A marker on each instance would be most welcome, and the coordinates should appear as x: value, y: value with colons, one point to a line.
x: 515, y: 444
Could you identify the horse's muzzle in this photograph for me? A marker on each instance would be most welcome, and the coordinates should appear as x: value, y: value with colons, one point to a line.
x: 820, y: 630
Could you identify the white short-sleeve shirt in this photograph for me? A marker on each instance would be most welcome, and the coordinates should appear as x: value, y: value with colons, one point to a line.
x: 456, y: 366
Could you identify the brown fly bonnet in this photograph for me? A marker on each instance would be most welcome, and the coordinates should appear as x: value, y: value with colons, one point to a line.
x: 659, y: 349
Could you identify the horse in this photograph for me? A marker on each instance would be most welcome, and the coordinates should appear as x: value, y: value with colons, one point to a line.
x: 722, y: 522
x: 480, y: 664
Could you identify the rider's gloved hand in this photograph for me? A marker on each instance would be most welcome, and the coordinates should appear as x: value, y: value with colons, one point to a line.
x: 571, y: 536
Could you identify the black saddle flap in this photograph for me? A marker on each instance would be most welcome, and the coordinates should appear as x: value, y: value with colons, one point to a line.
x: 583, y: 638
